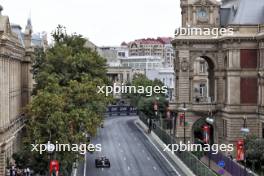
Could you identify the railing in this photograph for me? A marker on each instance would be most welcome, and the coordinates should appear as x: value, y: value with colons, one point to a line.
x: 121, y: 110
x: 230, y: 166
x: 201, y: 100
x: 197, y: 166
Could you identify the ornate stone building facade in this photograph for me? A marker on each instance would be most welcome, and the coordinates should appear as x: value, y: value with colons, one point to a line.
x: 200, y: 81
x: 235, y: 67
x: 15, y: 86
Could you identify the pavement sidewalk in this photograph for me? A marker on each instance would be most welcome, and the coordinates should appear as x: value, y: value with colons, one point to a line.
x: 214, y: 166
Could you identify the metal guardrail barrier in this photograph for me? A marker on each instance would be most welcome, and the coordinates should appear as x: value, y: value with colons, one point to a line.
x: 197, y: 166
x: 232, y: 167
x: 121, y: 110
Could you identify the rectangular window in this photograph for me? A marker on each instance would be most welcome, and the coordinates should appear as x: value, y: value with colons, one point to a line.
x: 224, y: 128
x: 142, y: 65
x: 248, y: 58
x: 121, y: 54
x: 149, y: 65
x: 262, y: 130
x: 203, y: 91
x: 202, y: 67
x: 249, y: 90
x: 121, y: 77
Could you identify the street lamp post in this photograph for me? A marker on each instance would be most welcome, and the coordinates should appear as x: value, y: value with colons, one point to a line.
x: 174, y: 123
x: 245, y: 130
x: 184, y: 128
x: 210, y: 120
x: 169, y: 119
x: 184, y: 109
x: 155, y: 108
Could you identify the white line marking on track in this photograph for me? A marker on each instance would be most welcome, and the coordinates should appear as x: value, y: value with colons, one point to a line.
x: 160, y: 152
x: 84, y: 168
x: 128, y: 168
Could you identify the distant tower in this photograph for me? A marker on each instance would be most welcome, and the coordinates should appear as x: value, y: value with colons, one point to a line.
x: 29, y: 28
x: 28, y: 33
x: 200, y: 13
x: 27, y: 63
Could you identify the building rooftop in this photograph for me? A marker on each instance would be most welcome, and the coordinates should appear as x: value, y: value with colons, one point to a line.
x: 243, y: 12
x: 124, y: 44
x: 165, y: 40
x: 17, y: 30
x: 149, y: 41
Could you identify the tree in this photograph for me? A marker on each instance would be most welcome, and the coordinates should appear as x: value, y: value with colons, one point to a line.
x: 65, y: 104
x: 145, y: 105
x: 254, y: 152
x: 143, y: 101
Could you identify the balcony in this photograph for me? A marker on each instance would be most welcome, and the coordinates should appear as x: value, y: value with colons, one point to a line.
x: 201, y: 100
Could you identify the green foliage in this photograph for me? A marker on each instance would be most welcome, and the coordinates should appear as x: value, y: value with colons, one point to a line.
x: 146, y: 106
x: 65, y: 104
x: 255, y: 151
x: 144, y: 102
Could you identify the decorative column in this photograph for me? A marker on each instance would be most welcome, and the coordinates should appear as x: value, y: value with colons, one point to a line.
x: 211, y: 13
x: 261, y: 88
x: 184, y: 81
x: 194, y: 15
x: 1, y: 93
x: 261, y: 75
x: 233, y: 77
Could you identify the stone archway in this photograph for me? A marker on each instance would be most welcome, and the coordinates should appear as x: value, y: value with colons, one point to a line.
x: 211, y: 67
x: 184, y: 69
x: 211, y: 77
x: 197, y: 130
x: 203, y: 113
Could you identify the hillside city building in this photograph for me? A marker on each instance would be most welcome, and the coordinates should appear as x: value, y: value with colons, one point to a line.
x: 124, y: 62
x: 160, y: 47
x: 115, y: 71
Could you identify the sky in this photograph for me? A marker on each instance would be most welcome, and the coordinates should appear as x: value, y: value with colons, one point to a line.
x: 104, y: 22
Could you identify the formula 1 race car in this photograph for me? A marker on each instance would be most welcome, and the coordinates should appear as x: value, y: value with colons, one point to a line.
x: 102, y: 162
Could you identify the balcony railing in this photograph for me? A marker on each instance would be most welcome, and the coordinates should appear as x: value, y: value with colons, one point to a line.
x: 202, y: 100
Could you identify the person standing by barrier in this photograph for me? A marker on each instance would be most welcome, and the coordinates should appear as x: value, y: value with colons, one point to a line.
x: 13, y: 171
